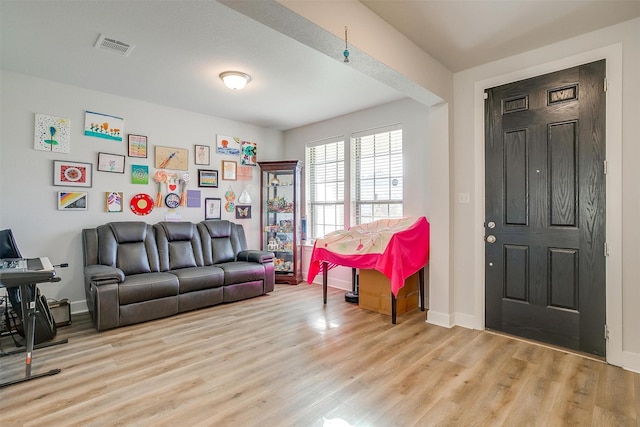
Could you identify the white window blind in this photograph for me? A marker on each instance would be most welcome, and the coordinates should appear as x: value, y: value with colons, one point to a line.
x: 378, y: 174
x: 325, y: 187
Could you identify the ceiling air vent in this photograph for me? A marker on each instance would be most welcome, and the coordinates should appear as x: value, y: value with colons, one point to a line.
x: 114, y: 46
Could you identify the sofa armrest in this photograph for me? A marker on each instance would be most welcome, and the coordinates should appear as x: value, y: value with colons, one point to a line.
x: 261, y: 257
x: 99, y: 274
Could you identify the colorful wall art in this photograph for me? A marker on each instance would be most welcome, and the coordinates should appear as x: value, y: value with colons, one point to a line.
x: 103, y: 126
x: 137, y: 145
x: 113, y: 201
x: 110, y: 163
x: 139, y: 174
x: 72, y: 174
x: 72, y: 201
x: 172, y: 158
x: 249, y: 153
x: 243, y: 212
x: 52, y: 134
x: 229, y: 145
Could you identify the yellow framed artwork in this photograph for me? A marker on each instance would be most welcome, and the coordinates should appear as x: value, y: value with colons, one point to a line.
x: 229, y: 170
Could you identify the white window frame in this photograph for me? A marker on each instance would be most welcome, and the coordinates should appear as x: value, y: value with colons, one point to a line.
x: 385, y: 172
x: 318, y: 222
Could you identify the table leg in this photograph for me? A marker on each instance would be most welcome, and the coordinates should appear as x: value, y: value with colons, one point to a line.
x: 353, y: 280
x: 325, y: 270
x: 422, y: 290
x: 393, y: 309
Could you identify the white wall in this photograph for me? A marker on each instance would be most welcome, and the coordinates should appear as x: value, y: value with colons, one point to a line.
x: 28, y: 197
x: 425, y: 135
x: 620, y: 46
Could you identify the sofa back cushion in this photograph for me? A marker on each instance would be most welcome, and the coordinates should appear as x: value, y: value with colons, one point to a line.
x: 221, y: 241
x: 130, y: 246
x: 179, y: 245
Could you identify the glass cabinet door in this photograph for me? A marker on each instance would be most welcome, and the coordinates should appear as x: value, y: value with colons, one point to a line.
x: 280, y: 218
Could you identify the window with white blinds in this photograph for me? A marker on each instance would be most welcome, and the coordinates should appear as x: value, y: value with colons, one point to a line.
x: 378, y: 174
x: 325, y: 187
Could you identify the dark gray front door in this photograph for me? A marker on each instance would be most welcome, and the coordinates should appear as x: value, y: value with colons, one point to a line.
x: 545, y: 208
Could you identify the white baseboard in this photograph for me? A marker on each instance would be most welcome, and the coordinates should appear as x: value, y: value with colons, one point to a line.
x: 464, y: 320
x: 79, y: 306
x: 439, y: 319
x: 631, y: 361
x: 334, y: 283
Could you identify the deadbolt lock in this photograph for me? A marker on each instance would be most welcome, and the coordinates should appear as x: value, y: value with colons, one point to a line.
x: 491, y: 224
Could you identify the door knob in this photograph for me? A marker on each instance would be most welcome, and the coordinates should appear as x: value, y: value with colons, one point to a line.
x: 491, y: 238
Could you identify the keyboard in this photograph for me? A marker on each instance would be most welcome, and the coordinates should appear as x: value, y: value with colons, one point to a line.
x: 14, y: 263
x: 18, y: 271
x: 34, y: 264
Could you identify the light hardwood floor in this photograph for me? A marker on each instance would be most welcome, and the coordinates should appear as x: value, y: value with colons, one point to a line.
x: 285, y: 359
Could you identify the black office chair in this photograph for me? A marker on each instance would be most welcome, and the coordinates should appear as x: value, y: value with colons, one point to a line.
x: 8, y: 246
x: 9, y: 249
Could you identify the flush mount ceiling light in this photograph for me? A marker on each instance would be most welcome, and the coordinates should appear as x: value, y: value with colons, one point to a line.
x: 235, y: 80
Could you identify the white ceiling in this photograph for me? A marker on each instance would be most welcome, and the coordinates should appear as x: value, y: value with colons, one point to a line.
x: 182, y: 46
x: 462, y: 34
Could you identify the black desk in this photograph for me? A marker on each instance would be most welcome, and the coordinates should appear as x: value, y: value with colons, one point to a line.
x: 23, y: 277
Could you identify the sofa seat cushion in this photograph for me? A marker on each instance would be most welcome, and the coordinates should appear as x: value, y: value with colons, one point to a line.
x: 241, y: 271
x: 199, y: 278
x: 148, y: 286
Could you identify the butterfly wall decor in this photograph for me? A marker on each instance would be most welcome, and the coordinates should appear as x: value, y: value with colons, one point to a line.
x: 243, y: 212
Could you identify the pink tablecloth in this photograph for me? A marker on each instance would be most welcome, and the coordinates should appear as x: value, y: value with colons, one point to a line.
x: 395, y: 247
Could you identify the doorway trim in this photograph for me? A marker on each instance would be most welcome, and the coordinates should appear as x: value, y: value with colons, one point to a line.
x: 613, y: 56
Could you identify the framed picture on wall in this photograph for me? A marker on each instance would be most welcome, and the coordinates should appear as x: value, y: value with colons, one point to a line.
x: 113, y: 201
x: 212, y: 208
x: 243, y: 212
x: 207, y: 178
x: 137, y: 145
x: 171, y: 158
x: 72, y: 174
x: 202, y: 153
x: 72, y: 200
x: 229, y: 170
x: 110, y: 163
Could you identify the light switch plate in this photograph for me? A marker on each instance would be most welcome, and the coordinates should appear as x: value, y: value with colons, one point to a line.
x: 464, y: 198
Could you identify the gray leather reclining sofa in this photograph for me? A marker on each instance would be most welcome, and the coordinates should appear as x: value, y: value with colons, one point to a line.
x: 135, y: 272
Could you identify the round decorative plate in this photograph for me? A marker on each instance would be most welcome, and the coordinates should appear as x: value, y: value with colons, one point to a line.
x: 72, y: 174
x: 172, y: 200
x: 141, y: 204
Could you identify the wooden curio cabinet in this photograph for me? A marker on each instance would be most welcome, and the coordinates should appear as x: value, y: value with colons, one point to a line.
x: 280, y: 217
